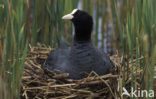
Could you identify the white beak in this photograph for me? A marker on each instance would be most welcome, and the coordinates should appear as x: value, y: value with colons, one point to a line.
x: 68, y: 17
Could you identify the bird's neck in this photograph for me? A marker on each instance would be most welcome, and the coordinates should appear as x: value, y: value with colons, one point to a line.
x: 82, y: 35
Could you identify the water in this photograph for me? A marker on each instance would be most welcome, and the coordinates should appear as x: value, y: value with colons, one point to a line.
x: 105, y: 44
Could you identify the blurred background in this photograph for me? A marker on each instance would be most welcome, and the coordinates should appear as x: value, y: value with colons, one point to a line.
x: 126, y: 27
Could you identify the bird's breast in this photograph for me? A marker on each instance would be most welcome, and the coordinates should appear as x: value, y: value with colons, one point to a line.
x: 82, y: 56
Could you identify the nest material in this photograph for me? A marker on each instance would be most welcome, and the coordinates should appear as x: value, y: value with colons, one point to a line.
x: 38, y: 84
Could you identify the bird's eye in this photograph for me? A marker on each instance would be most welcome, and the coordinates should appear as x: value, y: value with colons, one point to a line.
x: 78, y: 13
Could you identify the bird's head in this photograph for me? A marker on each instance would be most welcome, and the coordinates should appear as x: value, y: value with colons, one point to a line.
x: 83, y: 23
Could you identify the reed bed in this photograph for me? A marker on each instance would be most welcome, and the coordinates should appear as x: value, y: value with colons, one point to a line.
x: 128, y: 26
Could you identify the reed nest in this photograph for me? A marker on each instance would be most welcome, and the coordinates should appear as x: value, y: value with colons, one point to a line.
x: 38, y: 83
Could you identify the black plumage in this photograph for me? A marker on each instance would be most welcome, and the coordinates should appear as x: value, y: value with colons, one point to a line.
x: 81, y: 57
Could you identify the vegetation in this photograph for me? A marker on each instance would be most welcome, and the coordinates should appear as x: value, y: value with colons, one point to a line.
x: 131, y: 24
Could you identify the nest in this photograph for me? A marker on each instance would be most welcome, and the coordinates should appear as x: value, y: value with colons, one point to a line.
x: 36, y: 83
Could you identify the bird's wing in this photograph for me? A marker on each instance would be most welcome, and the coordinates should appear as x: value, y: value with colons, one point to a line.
x: 57, y: 58
x: 107, y: 59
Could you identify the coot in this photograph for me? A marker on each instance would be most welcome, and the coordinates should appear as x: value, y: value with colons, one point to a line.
x: 81, y: 57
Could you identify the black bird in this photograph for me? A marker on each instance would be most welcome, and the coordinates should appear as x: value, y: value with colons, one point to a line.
x: 81, y: 57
